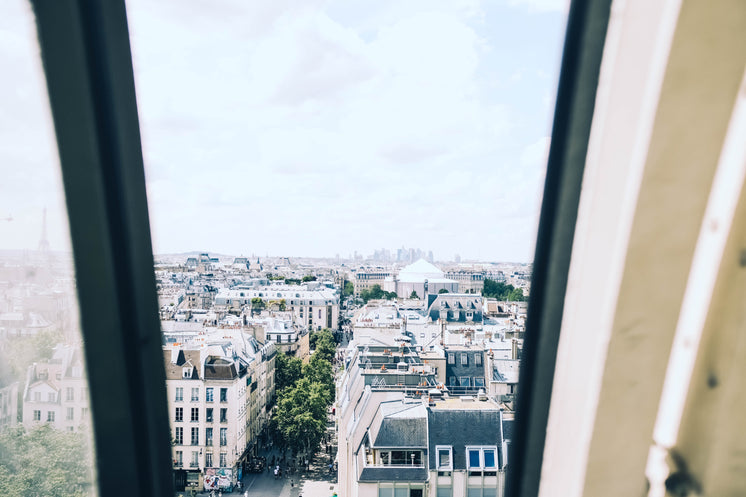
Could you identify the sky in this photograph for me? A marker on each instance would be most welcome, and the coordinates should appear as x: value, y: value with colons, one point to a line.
x: 313, y: 127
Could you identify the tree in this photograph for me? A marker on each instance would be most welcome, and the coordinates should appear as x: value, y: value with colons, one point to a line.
x: 348, y: 289
x: 308, y: 277
x: 373, y: 293
x: 502, y: 291
x: 257, y: 305
x: 300, y: 416
x: 326, y: 346
x: 442, y: 290
x: 516, y: 295
x: 287, y: 371
x: 45, y: 462
x: 320, y: 370
x: 414, y: 295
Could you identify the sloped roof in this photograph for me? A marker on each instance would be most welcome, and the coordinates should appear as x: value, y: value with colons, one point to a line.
x: 461, y: 428
x: 422, y: 268
x: 393, y: 474
x: 402, y: 426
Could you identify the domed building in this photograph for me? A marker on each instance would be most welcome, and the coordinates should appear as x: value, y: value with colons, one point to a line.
x: 420, y: 277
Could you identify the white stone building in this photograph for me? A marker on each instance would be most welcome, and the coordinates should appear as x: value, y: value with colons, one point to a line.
x: 56, y: 392
x: 315, y: 308
x: 218, y: 388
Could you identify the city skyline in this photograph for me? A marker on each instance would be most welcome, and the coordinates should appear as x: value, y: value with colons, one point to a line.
x: 316, y: 129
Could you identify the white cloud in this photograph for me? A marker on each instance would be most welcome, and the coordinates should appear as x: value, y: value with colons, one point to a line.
x: 542, y: 5
x: 376, y: 124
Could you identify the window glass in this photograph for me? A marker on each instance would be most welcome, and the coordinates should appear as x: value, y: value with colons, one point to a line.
x: 489, y: 492
x: 385, y: 492
x: 474, y: 461
x: 45, y: 449
x: 235, y: 126
x: 489, y: 458
x: 401, y: 492
x: 444, y: 492
x: 444, y: 458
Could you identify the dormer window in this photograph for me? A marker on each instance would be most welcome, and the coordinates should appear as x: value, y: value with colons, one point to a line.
x: 444, y: 457
x: 186, y: 372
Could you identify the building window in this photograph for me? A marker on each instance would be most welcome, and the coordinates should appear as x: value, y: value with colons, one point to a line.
x: 179, y: 459
x: 222, y: 460
x: 179, y: 394
x: 83, y: 412
x: 464, y: 381
x: 208, y: 414
x: 209, y: 395
x: 481, y: 457
x: 444, y: 454
x: 195, y: 414
x: 223, y: 436
x: 70, y: 394
x: 208, y: 459
x: 50, y: 416
x: 37, y: 415
x: 195, y: 436
x: 70, y: 414
x: 208, y: 436
x: 179, y: 435
x: 195, y: 394
x: 464, y: 359
x: 444, y: 492
x: 478, y: 359
x: 451, y: 358
x: 223, y: 415
x: 479, y: 382
x: 195, y: 459
x: 186, y: 372
x: 223, y: 395
x: 179, y: 414
x: 51, y: 397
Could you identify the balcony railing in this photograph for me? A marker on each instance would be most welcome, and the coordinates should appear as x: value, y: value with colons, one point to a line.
x: 396, y: 466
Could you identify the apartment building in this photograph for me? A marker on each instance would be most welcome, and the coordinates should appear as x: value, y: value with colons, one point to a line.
x: 56, y: 392
x: 313, y: 306
x: 392, y: 445
x: 469, y: 280
x: 218, y: 389
x: 365, y: 278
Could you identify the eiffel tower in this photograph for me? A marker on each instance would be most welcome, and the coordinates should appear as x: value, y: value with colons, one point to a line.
x: 43, y: 242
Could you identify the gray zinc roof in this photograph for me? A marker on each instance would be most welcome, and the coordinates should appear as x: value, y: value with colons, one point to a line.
x: 462, y: 428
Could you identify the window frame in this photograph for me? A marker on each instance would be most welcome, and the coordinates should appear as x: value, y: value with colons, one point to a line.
x: 87, y: 61
x: 482, y: 449
x: 438, y: 449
